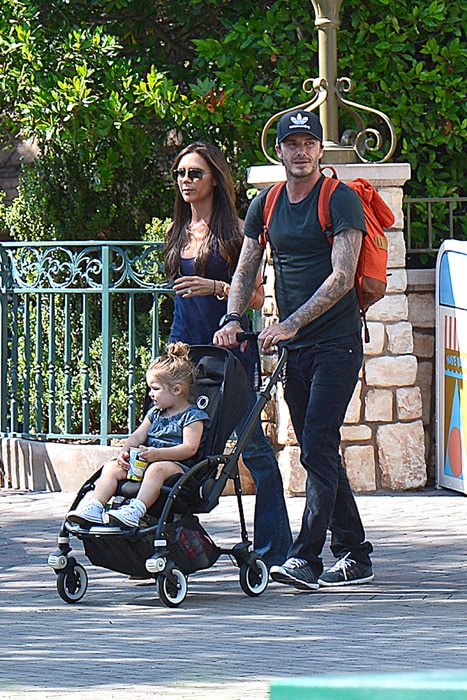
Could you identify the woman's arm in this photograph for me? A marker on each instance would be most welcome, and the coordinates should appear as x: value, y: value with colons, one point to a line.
x: 257, y: 300
x: 195, y: 286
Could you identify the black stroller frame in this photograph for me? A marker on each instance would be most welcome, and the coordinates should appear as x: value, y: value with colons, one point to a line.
x: 171, y: 543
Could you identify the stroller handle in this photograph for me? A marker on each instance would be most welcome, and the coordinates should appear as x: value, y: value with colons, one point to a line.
x: 247, y: 335
x: 252, y: 337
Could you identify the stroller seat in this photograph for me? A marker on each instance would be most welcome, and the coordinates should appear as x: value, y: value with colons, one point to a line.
x: 170, y: 542
x: 220, y: 387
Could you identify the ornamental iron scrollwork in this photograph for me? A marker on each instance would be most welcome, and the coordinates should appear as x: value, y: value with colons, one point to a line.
x: 365, y: 140
x: 68, y: 266
x: 316, y: 85
x: 362, y: 140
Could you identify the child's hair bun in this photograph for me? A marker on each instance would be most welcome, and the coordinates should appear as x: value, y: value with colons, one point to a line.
x: 178, y: 349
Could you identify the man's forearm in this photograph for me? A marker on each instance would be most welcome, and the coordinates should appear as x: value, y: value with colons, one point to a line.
x: 244, y: 279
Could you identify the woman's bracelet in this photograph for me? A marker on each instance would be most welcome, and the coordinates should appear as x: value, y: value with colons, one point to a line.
x: 225, y: 291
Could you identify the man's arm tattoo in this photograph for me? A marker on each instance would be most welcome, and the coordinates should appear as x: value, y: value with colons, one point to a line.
x: 344, y: 257
x: 244, y: 279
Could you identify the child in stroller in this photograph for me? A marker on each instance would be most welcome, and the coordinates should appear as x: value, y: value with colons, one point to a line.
x: 171, y: 432
x: 170, y: 542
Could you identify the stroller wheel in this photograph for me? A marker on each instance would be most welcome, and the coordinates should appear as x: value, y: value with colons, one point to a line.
x: 254, y: 583
x: 73, y: 584
x: 172, y: 593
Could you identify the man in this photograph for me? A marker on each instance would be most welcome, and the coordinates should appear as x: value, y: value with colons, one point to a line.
x: 321, y: 326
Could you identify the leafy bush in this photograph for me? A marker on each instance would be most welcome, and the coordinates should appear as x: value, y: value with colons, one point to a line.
x: 111, y: 93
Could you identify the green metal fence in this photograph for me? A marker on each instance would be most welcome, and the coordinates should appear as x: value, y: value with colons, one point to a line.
x: 431, y: 220
x: 80, y: 321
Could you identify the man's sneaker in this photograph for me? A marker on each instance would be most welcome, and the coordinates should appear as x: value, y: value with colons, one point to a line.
x: 347, y: 572
x: 127, y: 515
x: 89, y: 513
x: 295, y: 572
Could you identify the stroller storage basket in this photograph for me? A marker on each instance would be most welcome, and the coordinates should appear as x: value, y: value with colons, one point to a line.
x: 190, y: 547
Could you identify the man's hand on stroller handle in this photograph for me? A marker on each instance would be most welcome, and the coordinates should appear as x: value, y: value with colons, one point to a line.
x: 227, y: 336
x: 275, y: 333
x: 242, y: 338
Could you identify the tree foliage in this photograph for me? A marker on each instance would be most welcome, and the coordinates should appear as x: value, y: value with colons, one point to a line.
x: 111, y: 90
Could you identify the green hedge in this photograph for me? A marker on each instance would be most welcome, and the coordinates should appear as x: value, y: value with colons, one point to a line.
x: 111, y: 92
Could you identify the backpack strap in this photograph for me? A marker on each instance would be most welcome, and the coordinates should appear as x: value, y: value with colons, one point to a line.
x: 324, y: 215
x: 269, y: 204
x: 325, y: 193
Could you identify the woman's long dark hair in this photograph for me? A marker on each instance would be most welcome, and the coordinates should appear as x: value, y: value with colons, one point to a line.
x: 224, y: 230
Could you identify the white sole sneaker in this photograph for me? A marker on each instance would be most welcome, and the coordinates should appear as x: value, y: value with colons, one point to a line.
x: 75, y: 517
x: 280, y: 574
x: 346, y: 582
x: 115, y: 517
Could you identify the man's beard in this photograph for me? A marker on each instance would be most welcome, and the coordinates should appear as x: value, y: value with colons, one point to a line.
x: 313, y: 167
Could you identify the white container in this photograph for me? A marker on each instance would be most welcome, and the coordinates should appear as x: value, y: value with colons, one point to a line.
x: 137, y: 465
x: 451, y: 366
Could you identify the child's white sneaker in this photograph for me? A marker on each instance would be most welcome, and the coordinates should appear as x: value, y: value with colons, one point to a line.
x: 90, y: 513
x: 127, y: 515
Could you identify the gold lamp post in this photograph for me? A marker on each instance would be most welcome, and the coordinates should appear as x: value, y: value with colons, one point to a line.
x: 329, y: 95
x: 327, y: 21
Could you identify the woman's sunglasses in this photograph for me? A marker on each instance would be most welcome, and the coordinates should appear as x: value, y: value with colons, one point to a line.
x: 193, y: 173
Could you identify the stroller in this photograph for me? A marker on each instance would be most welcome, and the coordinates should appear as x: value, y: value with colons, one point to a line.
x: 170, y: 542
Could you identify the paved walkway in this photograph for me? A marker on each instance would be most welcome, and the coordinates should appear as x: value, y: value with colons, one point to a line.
x: 120, y: 642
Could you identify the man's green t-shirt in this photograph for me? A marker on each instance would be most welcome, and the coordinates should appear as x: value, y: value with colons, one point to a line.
x: 302, y: 257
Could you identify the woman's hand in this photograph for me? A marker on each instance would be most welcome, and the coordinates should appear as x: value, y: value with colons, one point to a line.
x: 194, y: 286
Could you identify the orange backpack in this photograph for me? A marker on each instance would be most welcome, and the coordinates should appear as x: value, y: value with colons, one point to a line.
x: 370, y: 275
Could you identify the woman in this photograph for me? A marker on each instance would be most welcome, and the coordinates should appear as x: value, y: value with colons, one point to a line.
x: 201, y: 252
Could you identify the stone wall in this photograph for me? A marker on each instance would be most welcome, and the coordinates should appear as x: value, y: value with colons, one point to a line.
x: 34, y: 465
x: 421, y: 296
x: 383, y: 437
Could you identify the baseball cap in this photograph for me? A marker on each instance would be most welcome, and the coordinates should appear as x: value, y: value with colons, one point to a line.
x: 299, y: 122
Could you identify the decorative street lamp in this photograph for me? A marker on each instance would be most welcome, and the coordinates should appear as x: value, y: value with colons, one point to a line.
x: 329, y: 94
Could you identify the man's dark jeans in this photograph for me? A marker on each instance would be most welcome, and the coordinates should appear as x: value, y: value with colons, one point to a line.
x: 320, y: 381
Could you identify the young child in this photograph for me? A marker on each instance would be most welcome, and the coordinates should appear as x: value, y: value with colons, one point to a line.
x: 171, y: 432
